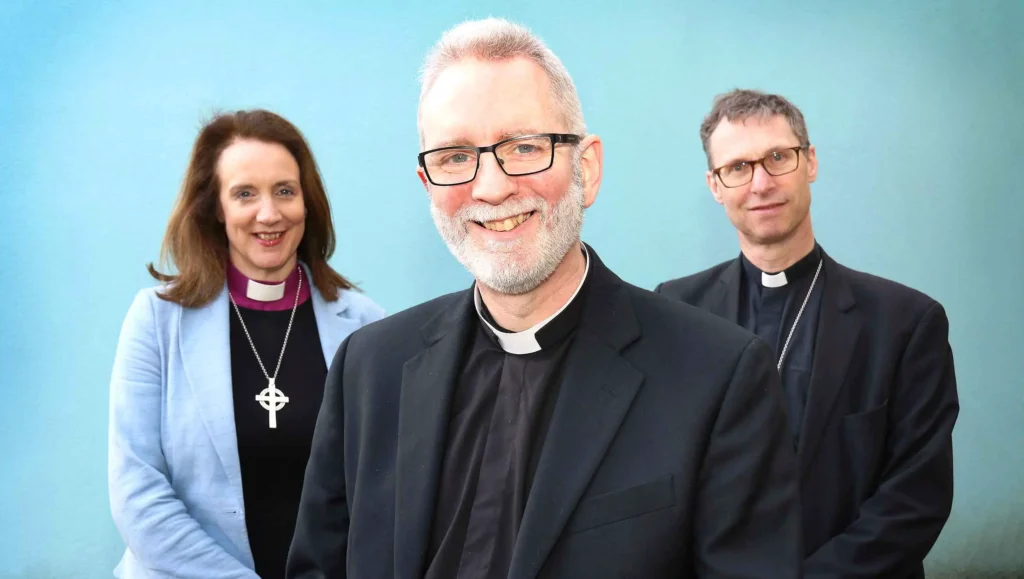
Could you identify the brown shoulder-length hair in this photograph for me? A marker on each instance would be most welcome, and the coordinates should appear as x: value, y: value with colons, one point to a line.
x: 196, y: 243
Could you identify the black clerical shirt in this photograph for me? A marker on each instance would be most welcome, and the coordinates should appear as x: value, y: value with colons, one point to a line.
x: 273, y: 461
x: 770, y: 313
x: 498, y: 420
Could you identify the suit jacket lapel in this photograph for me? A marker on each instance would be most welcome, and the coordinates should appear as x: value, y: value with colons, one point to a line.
x: 838, y: 332
x: 334, y: 320
x: 205, y: 344
x: 725, y: 301
x: 597, y: 390
x: 428, y: 381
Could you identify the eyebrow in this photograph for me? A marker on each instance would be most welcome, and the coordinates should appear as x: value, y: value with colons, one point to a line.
x: 459, y: 142
x: 518, y: 133
x: 285, y: 183
x: 763, y: 154
x: 464, y: 142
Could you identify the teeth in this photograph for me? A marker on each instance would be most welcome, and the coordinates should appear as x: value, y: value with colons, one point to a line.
x: 268, y: 236
x: 507, y: 224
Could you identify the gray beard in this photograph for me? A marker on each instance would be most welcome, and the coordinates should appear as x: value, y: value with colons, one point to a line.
x: 513, y: 268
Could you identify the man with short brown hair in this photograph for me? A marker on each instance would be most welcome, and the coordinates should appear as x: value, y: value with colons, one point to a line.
x: 865, y: 362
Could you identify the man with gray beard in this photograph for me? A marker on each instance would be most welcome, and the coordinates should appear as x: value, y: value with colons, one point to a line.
x: 551, y: 420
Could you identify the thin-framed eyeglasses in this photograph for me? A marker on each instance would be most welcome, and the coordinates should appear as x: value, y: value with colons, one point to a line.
x: 777, y: 162
x: 517, y: 156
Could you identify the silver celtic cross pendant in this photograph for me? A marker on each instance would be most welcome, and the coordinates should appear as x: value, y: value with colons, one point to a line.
x: 272, y: 400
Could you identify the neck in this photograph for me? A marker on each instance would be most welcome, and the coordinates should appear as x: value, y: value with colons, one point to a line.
x: 519, y: 312
x: 775, y: 257
x: 275, y: 275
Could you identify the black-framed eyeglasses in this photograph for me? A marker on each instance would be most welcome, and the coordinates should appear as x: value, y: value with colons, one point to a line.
x: 777, y: 162
x: 518, y: 156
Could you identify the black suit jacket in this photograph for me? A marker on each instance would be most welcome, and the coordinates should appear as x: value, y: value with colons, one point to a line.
x: 666, y: 456
x: 875, y: 450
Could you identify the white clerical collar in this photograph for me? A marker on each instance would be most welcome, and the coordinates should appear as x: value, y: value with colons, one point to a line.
x: 525, y: 342
x: 774, y: 279
x: 263, y: 292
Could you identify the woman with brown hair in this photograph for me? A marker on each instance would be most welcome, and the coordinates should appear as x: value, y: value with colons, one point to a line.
x: 219, y: 371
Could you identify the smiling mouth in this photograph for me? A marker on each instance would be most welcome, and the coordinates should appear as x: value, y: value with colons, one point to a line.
x: 767, y: 207
x: 269, y: 236
x: 505, y: 224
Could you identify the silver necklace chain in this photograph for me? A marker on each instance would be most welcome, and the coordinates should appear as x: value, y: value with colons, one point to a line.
x: 287, y: 332
x: 798, y: 314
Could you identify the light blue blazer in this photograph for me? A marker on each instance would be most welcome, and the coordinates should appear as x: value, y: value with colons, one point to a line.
x: 174, y: 476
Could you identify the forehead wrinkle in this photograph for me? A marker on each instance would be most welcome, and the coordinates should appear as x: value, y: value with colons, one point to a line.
x: 749, y: 138
x: 480, y: 103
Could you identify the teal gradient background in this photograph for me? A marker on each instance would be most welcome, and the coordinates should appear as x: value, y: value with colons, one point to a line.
x: 915, y: 109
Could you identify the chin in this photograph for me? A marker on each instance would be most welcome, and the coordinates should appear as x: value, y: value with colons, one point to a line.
x: 769, y: 236
x: 495, y: 258
x: 504, y: 251
x: 272, y: 264
x: 504, y: 272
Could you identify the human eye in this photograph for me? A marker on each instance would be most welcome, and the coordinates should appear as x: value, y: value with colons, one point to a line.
x: 737, y: 167
x: 458, y: 158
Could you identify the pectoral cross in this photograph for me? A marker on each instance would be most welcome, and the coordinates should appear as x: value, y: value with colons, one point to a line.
x: 272, y: 400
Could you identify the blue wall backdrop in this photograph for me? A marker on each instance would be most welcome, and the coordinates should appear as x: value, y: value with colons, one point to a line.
x: 915, y: 108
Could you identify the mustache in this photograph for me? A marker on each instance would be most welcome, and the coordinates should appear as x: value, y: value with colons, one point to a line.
x: 481, y: 212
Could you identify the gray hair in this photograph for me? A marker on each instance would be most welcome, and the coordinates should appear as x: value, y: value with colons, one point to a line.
x: 742, y: 104
x: 495, y: 39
